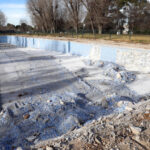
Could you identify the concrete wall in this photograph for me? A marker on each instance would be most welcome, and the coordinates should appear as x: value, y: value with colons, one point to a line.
x: 132, y: 59
x: 136, y: 60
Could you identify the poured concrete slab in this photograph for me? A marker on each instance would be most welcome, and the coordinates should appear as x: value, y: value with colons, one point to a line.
x: 141, y: 86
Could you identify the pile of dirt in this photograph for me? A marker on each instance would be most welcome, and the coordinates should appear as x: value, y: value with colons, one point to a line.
x: 129, y: 130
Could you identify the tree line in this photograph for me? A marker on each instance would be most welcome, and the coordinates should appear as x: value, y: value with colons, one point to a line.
x: 10, y: 28
x: 92, y: 15
x: 96, y: 16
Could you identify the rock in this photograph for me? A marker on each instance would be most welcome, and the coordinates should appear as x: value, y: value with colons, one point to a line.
x: 49, y: 101
x: 118, y: 76
x: 135, y: 130
x: 97, y: 140
x: 120, y: 103
x: 19, y: 148
x: 5, y: 119
x: 125, y: 76
x: 49, y: 148
x: 109, y: 72
x: 104, y: 103
x: 36, y: 141
x: 45, y: 120
x: 1, y: 113
x: 119, y: 116
x: 31, y: 138
x: 57, y: 144
x: 61, y: 102
x: 128, y: 108
x: 26, y: 116
x: 148, y: 107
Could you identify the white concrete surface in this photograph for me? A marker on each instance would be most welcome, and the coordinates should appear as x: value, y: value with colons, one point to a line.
x: 141, y: 86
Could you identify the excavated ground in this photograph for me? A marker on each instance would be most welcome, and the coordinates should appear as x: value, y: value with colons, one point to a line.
x: 129, y: 130
x: 50, y: 100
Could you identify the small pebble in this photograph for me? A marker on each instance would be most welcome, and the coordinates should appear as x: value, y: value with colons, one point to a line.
x: 26, y: 116
x: 49, y: 148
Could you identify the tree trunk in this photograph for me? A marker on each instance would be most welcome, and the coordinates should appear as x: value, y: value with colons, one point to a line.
x: 92, y: 26
x: 99, y: 29
x: 76, y: 28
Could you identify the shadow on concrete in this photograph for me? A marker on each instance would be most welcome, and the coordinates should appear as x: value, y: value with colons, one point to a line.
x: 32, y: 90
x: 36, y: 58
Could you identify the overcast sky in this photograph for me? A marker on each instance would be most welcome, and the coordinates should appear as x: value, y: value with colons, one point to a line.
x: 14, y: 10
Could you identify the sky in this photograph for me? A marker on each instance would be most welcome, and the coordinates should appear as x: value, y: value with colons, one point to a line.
x: 14, y: 11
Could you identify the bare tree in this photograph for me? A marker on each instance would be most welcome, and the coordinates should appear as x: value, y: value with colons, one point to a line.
x: 36, y: 13
x: 45, y: 14
x: 89, y: 5
x: 102, y: 13
x: 58, y: 15
x: 2, y: 18
x: 74, y: 8
x: 139, y: 16
x: 99, y: 12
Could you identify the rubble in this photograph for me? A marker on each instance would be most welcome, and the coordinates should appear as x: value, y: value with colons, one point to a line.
x: 26, y: 116
x: 49, y: 148
x: 135, y: 130
x: 104, y: 103
x: 111, y: 132
x: 70, y: 106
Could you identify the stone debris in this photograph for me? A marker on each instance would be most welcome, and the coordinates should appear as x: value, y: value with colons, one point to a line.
x: 128, y: 108
x: 135, y: 130
x: 31, y: 138
x: 89, y: 108
x: 120, y: 103
x: 49, y: 148
x: 104, y: 103
x: 148, y: 107
x: 118, y: 76
x: 61, y: 102
x: 119, y: 73
x: 26, y: 116
x: 116, y: 131
x: 19, y: 148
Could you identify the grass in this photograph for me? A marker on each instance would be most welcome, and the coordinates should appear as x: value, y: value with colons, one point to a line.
x: 143, y: 39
